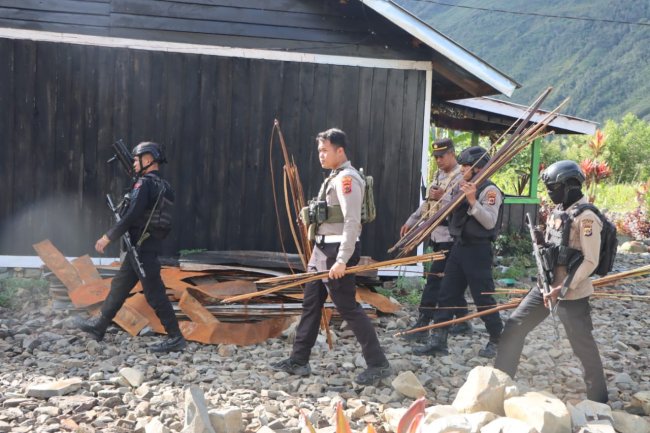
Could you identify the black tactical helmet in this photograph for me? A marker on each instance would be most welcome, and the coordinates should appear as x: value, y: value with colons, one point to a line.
x: 561, y: 171
x: 155, y: 149
x: 474, y: 155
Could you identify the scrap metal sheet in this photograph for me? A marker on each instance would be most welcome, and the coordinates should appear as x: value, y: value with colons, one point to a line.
x: 377, y: 300
x: 241, y: 334
x: 139, y: 303
x: 223, y: 289
x: 195, y: 310
x: 86, y: 269
x: 58, y: 264
x: 91, y: 293
x: 130, y: 320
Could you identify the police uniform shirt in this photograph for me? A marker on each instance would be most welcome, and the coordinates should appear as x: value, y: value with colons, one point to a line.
x: 346, y: 189
x: 584, y: 236
x: 486, y: 208
x: 428, y: 207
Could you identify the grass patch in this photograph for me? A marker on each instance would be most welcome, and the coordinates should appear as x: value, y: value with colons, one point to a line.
x: 616, y: 197
x: 17, y: 291
x: 406, y: 290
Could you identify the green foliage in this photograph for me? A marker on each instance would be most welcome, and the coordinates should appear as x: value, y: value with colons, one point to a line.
x: 616, y: 197
x: 407, y: 290
x: 184, y: 253
x: 15, y: 291
x: 602, y: 67
x: 628, y: 145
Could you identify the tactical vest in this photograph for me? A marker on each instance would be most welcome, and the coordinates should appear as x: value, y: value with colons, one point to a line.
x: 157, y: 221
x: 319, y: 212
x: 463, y: 226
x: 557, y: 251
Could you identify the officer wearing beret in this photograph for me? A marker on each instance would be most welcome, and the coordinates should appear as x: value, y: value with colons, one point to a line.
x: 438, y: 195
x: 336, y: 247
x: 563, y: 181
x: 473, y: 225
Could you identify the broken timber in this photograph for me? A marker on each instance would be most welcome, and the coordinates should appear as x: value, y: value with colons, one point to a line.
x: 196, y: 296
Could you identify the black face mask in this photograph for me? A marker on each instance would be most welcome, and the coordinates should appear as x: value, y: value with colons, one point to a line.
x: 556, y: 192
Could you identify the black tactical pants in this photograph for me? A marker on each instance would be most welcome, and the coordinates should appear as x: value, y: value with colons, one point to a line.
x: 469, y: 264
x: 429, y: 300
x: 575, y: 316
x: 342, y: 291
x: 153, y: 288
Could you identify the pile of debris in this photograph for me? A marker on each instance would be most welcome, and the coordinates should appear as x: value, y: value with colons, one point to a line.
x: 196, y: 288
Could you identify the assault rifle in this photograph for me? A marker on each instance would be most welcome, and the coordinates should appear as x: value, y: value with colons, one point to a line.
x: 124, y: 157
x: 126, y: 238
x: 544, y: 275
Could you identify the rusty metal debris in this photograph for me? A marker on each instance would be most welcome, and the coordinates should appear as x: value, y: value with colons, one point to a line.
x: 196, y: 296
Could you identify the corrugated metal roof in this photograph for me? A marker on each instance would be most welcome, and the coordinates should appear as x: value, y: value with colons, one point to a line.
x: 444, y: 45
x: 516, y: 111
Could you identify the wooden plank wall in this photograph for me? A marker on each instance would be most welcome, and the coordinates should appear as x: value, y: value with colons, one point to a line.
x: 62, y: 106
x: 317, y: 26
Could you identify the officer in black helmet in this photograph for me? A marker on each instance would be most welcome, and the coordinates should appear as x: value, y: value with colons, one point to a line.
x: 571, y: 286
x: 146, y: 215
x: 473, y: 225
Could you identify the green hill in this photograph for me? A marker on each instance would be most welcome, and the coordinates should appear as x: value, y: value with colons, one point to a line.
x: 603, y: 67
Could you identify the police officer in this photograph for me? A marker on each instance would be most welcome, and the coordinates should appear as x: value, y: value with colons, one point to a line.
x: 438, y: 195
x: 336, y: 247
x: 147, y: 219
x: 570, y: 288
x: 473, y: 225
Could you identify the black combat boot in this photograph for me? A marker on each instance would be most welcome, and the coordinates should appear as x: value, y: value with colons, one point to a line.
x: 461, y: 328
x: 489, y: 351
x: 437, y: 344
x: 95, y: 326
x: 423, y: 320
x: 173, y: 343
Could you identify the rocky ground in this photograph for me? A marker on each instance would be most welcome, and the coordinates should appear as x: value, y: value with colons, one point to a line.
x: 38, y: 345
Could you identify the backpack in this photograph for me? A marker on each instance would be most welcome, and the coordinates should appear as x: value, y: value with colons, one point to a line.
x: 608, y: 240
x: 368, y: 209
x: 159, y: 218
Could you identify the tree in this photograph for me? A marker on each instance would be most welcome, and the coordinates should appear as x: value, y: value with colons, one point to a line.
x: 628, y: 144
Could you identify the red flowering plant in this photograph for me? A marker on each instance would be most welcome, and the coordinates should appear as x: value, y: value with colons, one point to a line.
x: 595, y: 170
x: 636, y: 223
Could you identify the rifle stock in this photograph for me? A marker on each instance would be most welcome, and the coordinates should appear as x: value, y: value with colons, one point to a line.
x: 124, y: 157
x: 543, y: 275
x: 126, y: 238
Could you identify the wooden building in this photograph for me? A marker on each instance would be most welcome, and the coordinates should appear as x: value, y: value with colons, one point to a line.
x: 207, y: 78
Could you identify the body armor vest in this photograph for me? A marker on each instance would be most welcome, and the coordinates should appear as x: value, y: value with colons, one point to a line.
x: 463, y: 226
x: 557, y: 251
x: 157, y: 221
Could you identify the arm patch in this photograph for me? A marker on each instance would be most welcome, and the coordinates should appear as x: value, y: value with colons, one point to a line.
x: 346, y: 184
x: 491, y: 197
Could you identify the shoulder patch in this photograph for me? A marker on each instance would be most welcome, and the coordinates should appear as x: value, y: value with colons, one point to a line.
x: 346, y: 183
x: 138, y: 184
x: 491, y: 197
x: 587, y: 226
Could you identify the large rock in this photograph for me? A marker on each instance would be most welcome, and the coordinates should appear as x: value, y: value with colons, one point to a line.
x: 541, y: 410
x: 633, y: 247
x: 448, y: 424
x: 393, y: 415
x: 432, y: 413
x: 483, y: 391
x: 52, y: 389
x: 597, y: 427
x: 408, y: 384
x: 508, y: 425
x: 627, y: 423
x: 133, y: 376
x: 641, y: 400
x: 197, y: 419
x: 228, y: 420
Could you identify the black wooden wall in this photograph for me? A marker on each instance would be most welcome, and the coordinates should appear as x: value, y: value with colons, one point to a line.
x: 61, y: 106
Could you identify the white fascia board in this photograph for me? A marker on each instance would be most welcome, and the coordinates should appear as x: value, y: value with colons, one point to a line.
x: 516, y: 111
x: 35, y: 262
x: 442, y: 44
x: 212, y: 50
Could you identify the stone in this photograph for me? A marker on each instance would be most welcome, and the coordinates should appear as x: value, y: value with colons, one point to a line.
x: 628, y: 423
x: 633, y: 247
x: 545, y: 412
x: 434, y: 412
x: 408, y: 384
x: 483, y: 391
x: 196, y: 419
x: 508, y: 425
x: 641, y: 400
x: 597, y: 427
x: 155, y: 426
x: 448, y: 424
x: 56, y: 388
x: 227, y: 420
x: 594, y: 411
x: 133, y: 376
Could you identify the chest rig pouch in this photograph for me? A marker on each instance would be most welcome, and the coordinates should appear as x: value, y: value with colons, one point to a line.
x: 557, y: 252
